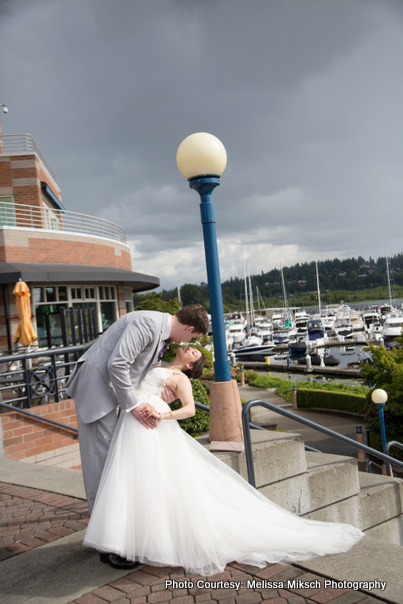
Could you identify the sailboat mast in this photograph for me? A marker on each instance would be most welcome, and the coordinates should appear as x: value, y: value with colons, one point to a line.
x: 317, y: 283
x: 252, y: 313
x: 285, y: 297
x: 246, y: 295
x: 390, y: 290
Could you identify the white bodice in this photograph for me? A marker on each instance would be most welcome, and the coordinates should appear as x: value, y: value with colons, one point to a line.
x: 155, y: 380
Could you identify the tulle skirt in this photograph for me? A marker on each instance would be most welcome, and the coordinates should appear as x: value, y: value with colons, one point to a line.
x: 165, y: 500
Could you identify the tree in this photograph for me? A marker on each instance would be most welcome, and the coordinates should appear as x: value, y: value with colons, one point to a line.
x: 385, y: 372
x: 153, y: 301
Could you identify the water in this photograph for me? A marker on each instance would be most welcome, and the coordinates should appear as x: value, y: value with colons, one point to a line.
x: 345, y: 354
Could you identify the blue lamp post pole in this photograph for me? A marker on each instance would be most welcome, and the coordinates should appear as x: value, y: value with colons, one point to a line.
x: 202, y: 158
x: 205, y: 187
x: 380, y: 397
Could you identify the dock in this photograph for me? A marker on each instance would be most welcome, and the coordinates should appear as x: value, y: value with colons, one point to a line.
x: 283, y: 367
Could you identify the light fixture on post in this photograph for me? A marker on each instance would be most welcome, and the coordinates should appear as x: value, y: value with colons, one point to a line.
x: 5, y: 110
x: 379, y: 397
x: 201, y: 158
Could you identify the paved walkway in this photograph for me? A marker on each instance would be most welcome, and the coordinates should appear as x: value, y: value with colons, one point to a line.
x: 42, y: 561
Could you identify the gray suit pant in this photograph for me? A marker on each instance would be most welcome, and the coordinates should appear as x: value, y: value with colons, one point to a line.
x: 95, y: 439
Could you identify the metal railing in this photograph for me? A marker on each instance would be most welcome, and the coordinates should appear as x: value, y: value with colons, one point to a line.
x: 34, y: 217
x: 307, y: 422
x: 37, y: 377
x: 24, y: 143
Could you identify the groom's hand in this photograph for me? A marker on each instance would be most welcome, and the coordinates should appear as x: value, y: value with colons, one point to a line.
x: 150, y: 422
x: 168, y: 395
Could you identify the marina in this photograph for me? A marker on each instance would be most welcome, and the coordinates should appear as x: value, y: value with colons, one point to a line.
x: 283, y: 367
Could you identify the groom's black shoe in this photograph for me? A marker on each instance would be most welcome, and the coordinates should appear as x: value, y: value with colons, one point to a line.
x: 117, y: 561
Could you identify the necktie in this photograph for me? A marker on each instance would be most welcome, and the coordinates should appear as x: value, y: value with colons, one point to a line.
x: 164, y: 349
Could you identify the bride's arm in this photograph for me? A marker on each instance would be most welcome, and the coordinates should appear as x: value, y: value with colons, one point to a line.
x: 182, y: 387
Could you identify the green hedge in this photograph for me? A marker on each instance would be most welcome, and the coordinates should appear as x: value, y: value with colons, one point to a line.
x: 200, y: 422
x: 327, y: 399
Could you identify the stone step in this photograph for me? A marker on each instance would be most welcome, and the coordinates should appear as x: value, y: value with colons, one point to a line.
x: 376, y: 509
x: 276, y: 456
x: 328, y: 479
x: 321, y: 486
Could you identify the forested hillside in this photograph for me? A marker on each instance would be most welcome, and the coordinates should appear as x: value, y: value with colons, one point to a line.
x: 353, y: 279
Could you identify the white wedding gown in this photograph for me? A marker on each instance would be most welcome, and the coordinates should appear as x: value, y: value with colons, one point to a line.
x: 165, y: 500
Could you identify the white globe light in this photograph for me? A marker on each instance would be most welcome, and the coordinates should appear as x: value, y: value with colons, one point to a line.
x: 201, y: 154
x: 379, y: 396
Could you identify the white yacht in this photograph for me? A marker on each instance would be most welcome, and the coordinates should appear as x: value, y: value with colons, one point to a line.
x: 237, y: 332
x: 301, y: 319
x: 370, y: 317
x: 392, y: 328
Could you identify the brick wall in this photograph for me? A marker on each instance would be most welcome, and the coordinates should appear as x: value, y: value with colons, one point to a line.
x: 58, y: 247
x: 34, y: 441
x: 22, y: 175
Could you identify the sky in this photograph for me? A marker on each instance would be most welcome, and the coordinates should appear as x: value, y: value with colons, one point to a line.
x: 305, y: 95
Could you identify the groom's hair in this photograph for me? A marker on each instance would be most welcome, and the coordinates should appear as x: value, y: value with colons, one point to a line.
x: 197, y: 369
x: 195, y: 316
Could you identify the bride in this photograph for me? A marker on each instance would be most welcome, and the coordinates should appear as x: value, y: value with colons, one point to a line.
x: 164, y: 500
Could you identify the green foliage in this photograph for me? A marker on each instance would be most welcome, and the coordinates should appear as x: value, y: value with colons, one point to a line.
x: 153, y: 301
x: 199, y: 344
x: 283, y: 388
x: 328, y: 399
x: 331, y: 387
x: 385, y: 372
x: 200, y: 422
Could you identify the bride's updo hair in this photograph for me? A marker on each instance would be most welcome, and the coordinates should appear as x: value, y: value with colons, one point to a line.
x: 197, y: 369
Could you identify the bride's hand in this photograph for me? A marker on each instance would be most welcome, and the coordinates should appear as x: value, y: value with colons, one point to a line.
x: 146, y: 419
x: 168, y: 395
x: 149, y: 411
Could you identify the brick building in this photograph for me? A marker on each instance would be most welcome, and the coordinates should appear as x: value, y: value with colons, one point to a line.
x: 66, y: 258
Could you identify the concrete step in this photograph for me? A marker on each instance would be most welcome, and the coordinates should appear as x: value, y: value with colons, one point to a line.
x: 328, y: 479
x: 370, y: 560
x: 321, y: 486
x: 376, y: 509
x: 276, y: 456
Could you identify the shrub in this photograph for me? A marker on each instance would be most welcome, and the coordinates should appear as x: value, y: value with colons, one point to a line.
x: 385, y: 372
x: 328, y: 399
x: 200, y: 422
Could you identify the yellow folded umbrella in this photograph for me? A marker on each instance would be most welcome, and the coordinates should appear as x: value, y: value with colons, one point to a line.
x: 25, y: 332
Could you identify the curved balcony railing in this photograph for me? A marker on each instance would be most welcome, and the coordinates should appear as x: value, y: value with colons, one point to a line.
x: 34, y: 217
x: 17, y: 144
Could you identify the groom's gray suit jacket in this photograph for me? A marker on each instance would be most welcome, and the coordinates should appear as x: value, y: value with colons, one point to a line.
x: 108, y: 372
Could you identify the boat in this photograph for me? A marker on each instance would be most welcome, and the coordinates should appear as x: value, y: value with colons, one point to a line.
x: 316, y: 332
x: 369, y: 317
x: 301, y: 319
x: 297, y: 350
x: 329, y: 360
x: 253, y: 352
x: 236, y: 332
x: 392, y: 328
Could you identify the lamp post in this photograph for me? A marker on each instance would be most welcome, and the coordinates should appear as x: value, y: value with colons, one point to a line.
x: 379, y: 397
x: 201, y: 158
x: 5, y: 110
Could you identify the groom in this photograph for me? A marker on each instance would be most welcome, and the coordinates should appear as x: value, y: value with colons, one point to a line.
x: 106, y: 376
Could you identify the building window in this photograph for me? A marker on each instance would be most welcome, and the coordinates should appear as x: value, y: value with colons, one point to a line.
x: 76, y: 293
x: 7, y: 211
x: 89, y: 293
x: 128, y: 300
x: 107, y: 298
